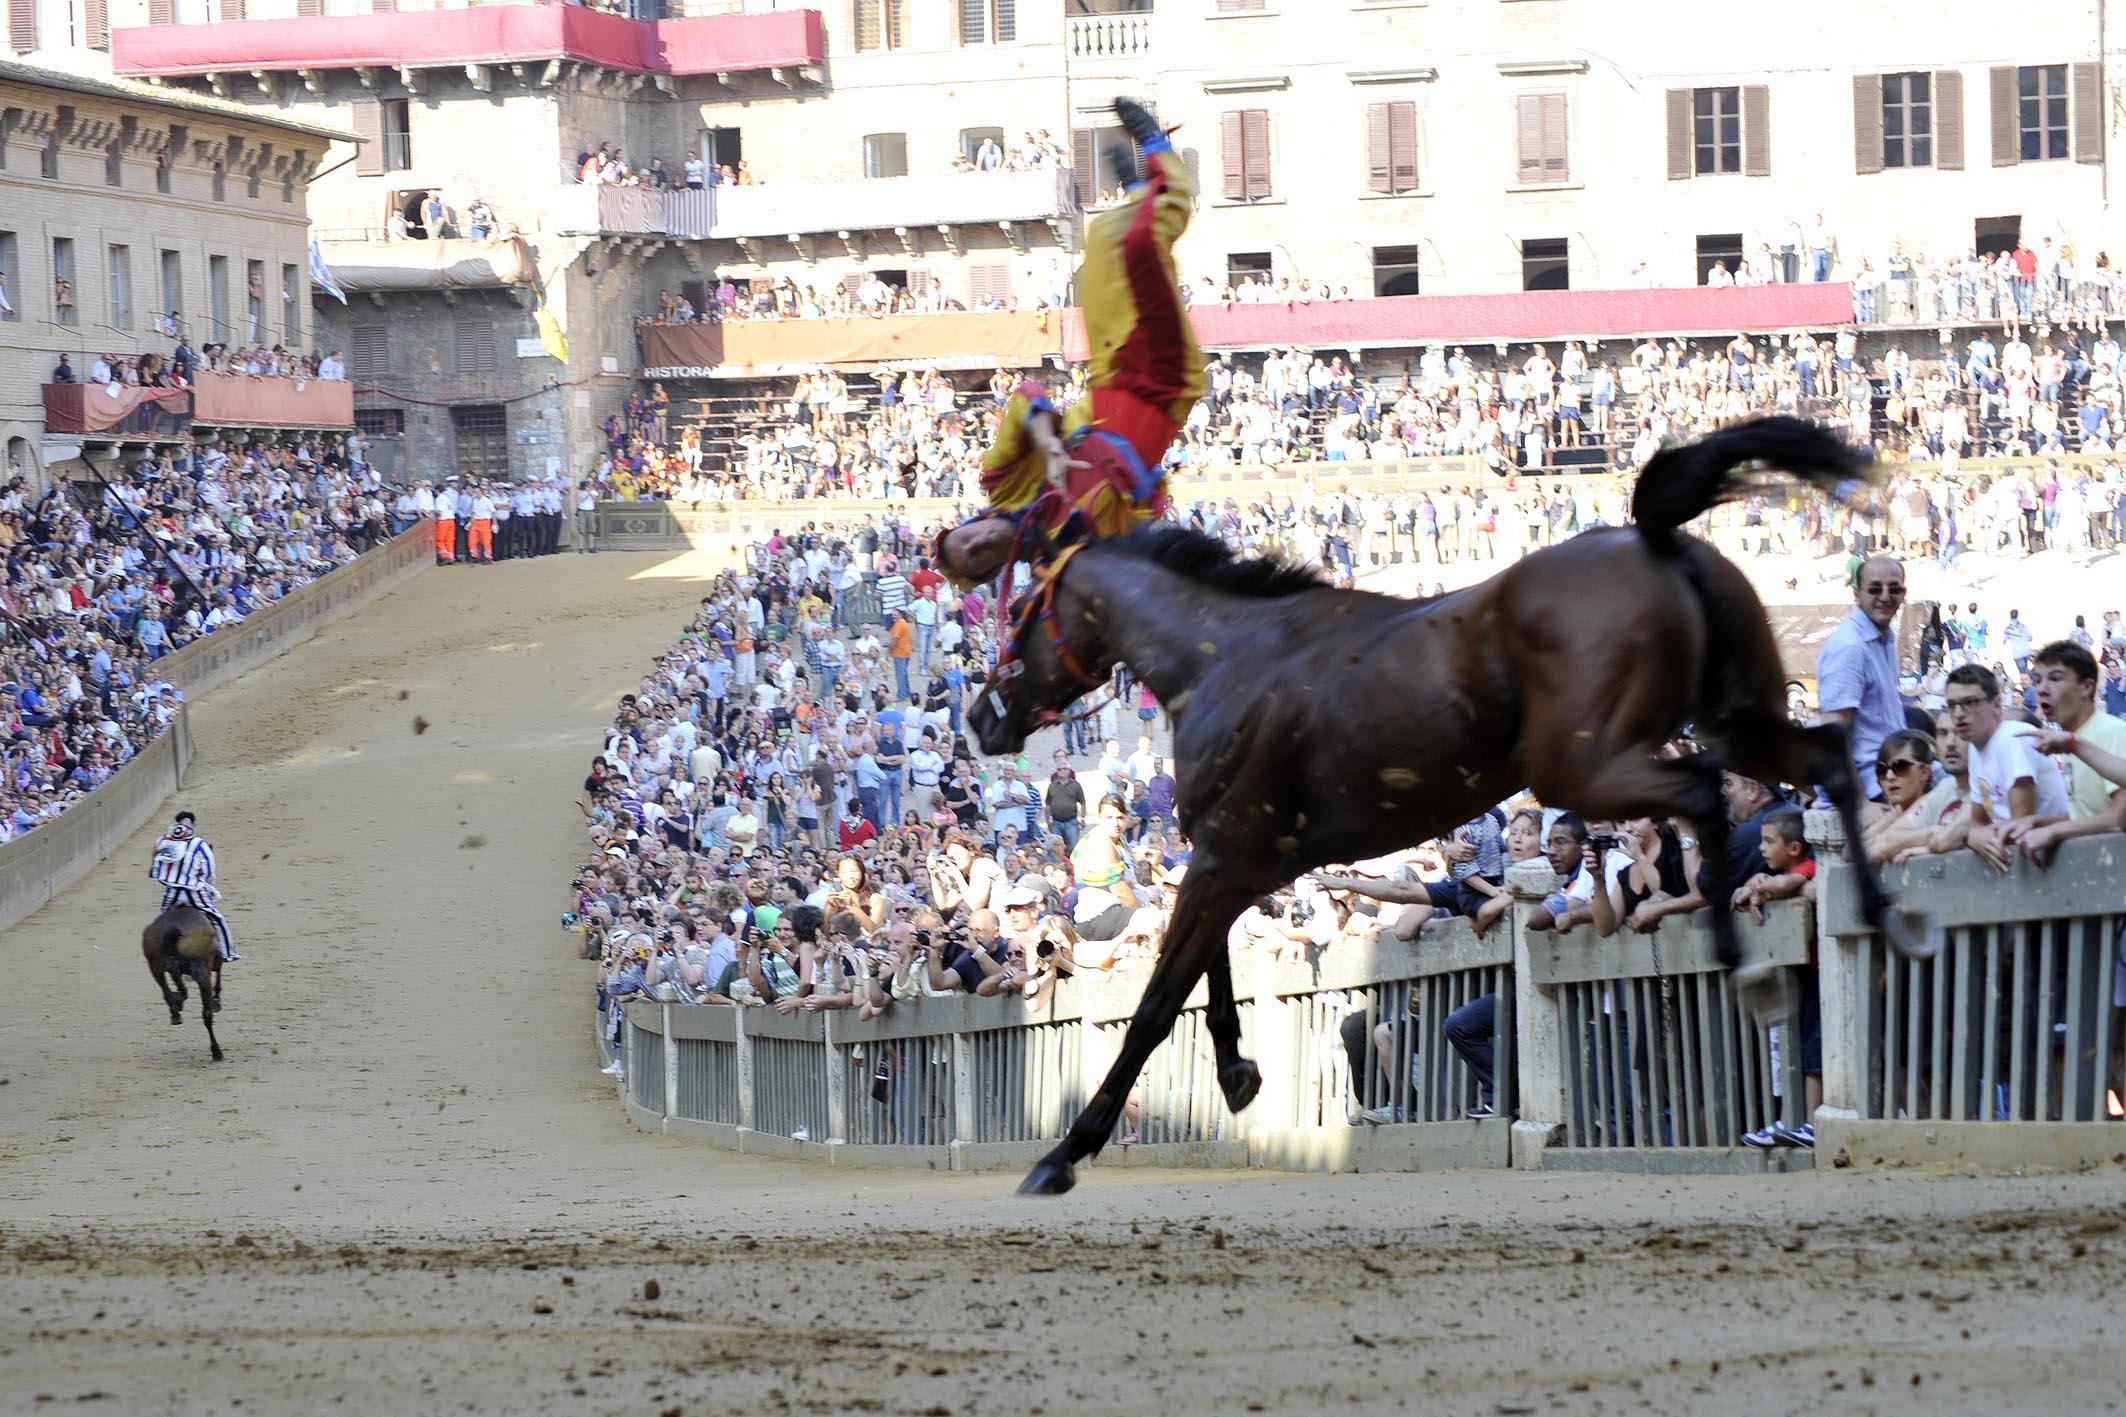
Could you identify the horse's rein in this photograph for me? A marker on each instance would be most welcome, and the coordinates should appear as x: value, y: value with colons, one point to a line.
x: 1040, y: 603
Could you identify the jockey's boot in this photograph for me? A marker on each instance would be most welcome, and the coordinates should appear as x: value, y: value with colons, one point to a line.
x: 1142, y: 125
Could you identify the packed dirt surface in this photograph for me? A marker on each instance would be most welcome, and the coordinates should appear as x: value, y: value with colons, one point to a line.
x: 409, y: 1191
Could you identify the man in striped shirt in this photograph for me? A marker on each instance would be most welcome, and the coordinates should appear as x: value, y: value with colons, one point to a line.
x: 184, y: 864
x: 892, y: 590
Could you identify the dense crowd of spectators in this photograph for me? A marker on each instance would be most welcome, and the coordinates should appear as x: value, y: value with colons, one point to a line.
x: 100, y: 582
x: 177, y: 370
x: 785, y: 812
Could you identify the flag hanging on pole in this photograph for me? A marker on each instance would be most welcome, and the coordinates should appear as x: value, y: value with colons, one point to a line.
x: 321, y: 274
x: 551, y: 335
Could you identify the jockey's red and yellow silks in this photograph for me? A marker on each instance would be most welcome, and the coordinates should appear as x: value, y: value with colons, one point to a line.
x: 1145, y: 374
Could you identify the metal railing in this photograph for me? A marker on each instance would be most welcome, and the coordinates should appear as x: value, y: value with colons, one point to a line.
x: 2016, y: 1021
x: 1656, y: 1049
x: 2005, y: 1049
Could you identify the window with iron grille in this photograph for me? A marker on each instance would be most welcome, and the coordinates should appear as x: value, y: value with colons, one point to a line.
x: 1716, y: 130
x: 1907, y: 120
x: 380, y: 422
x: 2041, y: 111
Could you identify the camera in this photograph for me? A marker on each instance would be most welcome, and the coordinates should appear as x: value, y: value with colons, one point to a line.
x: 1604, y: 842
x: 1045, y: 950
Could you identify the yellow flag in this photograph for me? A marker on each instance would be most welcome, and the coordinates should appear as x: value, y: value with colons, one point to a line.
x: 551, y: 335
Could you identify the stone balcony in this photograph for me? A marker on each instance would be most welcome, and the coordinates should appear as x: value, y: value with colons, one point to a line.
x: 813, y: 216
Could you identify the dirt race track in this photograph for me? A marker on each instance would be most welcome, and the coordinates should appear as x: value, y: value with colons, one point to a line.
x: 408, y: 1190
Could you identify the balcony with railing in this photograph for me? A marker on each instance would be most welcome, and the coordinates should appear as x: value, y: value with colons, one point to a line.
x: 785, y: 209
x: 1098, y: 41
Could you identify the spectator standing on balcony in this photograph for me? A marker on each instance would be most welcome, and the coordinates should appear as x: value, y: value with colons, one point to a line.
x: 696, y: 172
x: 1100, y: 464
x: 989, y: 157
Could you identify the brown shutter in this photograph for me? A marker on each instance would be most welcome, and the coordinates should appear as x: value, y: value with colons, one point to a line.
x: 383, y: 6
x: 307, y: 8
x: 1255, y: 138
x: 1528, y: 138
x: 1229, y: 7
x: 918, y: 281
x: 850, y: 282
x: 366, y: 117
x: 1756, y: 130
x: 1557, y: 151
x: 2007, y: 130
x: 1379, y: 177
x: 232, y: 9
x: 96, y: 23
x: 864, y: 24
x: 1085, y: 164
x: 2086, y: 87
x: 22, y: 25
x: 1230, y: 145
x: 1867, y: 123
x: 1949, y: 120
x: 162, y: 12
x: 1682, y: 139
x: 1402, y: 145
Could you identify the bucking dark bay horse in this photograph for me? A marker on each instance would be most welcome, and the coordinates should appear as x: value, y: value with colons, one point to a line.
x: 1314, y: 725
x: 180, y: 944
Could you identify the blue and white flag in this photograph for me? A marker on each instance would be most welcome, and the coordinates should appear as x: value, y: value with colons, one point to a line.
x: 321, y: 274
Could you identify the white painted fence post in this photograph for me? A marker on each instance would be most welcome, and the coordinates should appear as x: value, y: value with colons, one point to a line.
x: 833, y: 1060
x: 671, y: 1061
x: 742, y: 1049
x: 1539, y: 1063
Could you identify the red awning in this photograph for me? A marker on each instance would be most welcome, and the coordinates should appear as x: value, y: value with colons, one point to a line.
x: 485, y: 34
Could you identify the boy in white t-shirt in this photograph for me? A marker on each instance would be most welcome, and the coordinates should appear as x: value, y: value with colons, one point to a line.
x: 2010, y: 780
x: 2067, y: 684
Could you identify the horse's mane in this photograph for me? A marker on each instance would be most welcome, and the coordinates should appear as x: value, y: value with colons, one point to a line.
x: 1211, y: 562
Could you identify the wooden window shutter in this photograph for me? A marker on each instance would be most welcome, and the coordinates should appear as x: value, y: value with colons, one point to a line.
x: 232, y: 9
x: 366, y: 117
x: 1756, y: 130
x: 2007, y: 130
x: 919, y: 282
x: 1528, y: 138
x: 383, y: 6
x: 1230, y: 146
x: 850, y: 282
x: 2085, y: 86
x: 1867, y: 123
x: 307, y: 8
x: 1380, y: 176
x: 22, y: 25
x: 1682, y: 138
x: 864, y: 24
x: 1000, y: 283
x: 1255, y: 140
x: 162, y: 12
x: 1402, y: 145
x: 1085, y: 164
x: 476, y: 346
x: 1234, y: 7
x: 1949, y: 120
x: 1557, y: 153
x: 96, y: 23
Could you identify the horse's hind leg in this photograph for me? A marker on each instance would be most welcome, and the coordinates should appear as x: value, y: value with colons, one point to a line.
x: 174, y: 1000
x: 1238, y: 1078
x: 208, y: 989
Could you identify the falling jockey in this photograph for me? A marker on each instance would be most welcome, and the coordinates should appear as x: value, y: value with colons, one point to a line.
x: 184, y: 864
x: 1098, y: 466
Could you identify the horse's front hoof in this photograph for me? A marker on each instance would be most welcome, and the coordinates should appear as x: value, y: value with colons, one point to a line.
x: 1049, y: 1178
x: 1240, y: 1083
x: 217, y: 1052
x: 1913, y: 933
x: 1759, y: 986
x: 177, y: 1016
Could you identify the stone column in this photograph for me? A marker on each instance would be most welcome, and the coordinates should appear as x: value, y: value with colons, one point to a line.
x: 1539, y: 1063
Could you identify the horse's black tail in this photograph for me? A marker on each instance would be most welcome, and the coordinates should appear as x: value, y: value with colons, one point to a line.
x: 1681, y: 482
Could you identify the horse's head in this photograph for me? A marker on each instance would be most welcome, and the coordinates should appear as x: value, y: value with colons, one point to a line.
x: 1051, y: 657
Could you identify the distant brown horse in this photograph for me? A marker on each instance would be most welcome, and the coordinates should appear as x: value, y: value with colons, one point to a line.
x: 180, y: 943
x: 1314, y: 725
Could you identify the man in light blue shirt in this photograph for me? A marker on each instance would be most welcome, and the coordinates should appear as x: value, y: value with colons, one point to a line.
x: 1856, y: 670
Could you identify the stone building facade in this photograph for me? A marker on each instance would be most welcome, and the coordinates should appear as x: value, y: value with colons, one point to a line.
x: 146, y: 205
